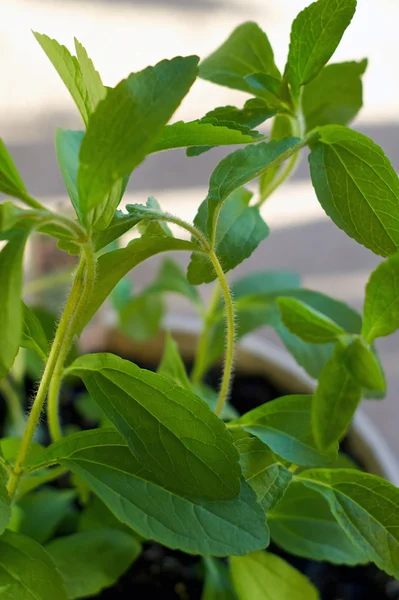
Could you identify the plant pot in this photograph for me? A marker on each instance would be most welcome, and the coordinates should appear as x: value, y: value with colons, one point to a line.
x: 258, y: 357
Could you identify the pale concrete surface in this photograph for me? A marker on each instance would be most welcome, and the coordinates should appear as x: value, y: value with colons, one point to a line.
x: 126, y: 35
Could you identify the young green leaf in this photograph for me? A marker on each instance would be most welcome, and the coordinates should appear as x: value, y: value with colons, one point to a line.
x: 172, y: 364
x: 126, y: 124
x: 285, y: 426
x: 217, y: 584
x: 120, y: 224
x: 101, y: 458
x: 43, y: 512
x: 33, y: 335
x: 246, y: 51
x: 91, y: 78
x: 381, y: 305
x: 261, y: 575
x: 357, y: 187
x: 239, y: 231
x: 27, y: 570
x: 11, y: 320
x: 366, y: 507
x: 307, y: 323
x: 241, y: 166
x: 335, y: 401
x: 5, y: 506
x: 335, y: 96
x: 264, y: 471
x: 68, y: 68
x: 171, y: 278
x: 90, y: 561
x: 114, y: 265
x: 363, y: 365
x: 150, y: 214
x: 203, y: 133
x: 254, y: 112
x: 141, y: 317
x: 303, y: 525
x: 170, y: 430
x: 67, y: 147
x: 315, y: 34
x: 11, y: 183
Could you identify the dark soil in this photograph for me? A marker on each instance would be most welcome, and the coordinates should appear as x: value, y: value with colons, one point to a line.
x: 171, y: 575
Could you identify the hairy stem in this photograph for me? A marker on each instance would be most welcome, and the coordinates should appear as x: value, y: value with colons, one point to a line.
x: 201, y: 363
x: 84, y: 282
x: 230, y: 338
x: 57, y: 348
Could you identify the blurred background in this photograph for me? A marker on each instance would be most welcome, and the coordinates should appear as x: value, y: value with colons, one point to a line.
x: 122, y: 36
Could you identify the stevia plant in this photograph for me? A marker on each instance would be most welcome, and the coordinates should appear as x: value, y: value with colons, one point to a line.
x: 171, y: 460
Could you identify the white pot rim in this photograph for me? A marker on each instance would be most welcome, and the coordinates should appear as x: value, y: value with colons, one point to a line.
x: 369, y: 437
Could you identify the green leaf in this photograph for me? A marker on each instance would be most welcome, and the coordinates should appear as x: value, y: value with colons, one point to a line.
x: 285, y: 426
x: 120, y: 224
x: 264, y: 472
x: 172, y: 364
x: 90, y: 561
x: 33, y: 335
x: 265, y: 83
x: 96, y: 515
x: 257, y: 309
x: 171, y: 278
x: 303, y: 525
x: 68, y: 68
x: 363, y: 365
x: 217, y: 584
x: 170, y: 430
x: 203, y: 133
x: 335, y: 402
x: 335, y: 96
x: 254, y: 112
x: 315, y: 34
x: 366, y: 507
x: 67, y: 146
x: 5, y: 505
x: 43, y: 511
x: 103, y: 460
x: 91, y: 78
x: 357, y: 187
x: 308, y: 324
x: 239, y: 231
x: 241, y: 166
x: 27, y: 570
x: 381, y: 305
x: 265, y: 282
x: 141, y: 317
x: 112, y: 266
x: 261, y: 575
x: 151, y: 223
x: 11, y: 183
x: 126, y: 124
x: 11, y: 320
x: 246, y: 51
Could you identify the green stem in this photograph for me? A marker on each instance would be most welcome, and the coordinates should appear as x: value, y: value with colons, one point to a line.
x: 230, y: 324
x: 83, y: 284
x: 14, y: 405
x: 201, y: 362
x: 57, y: 347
